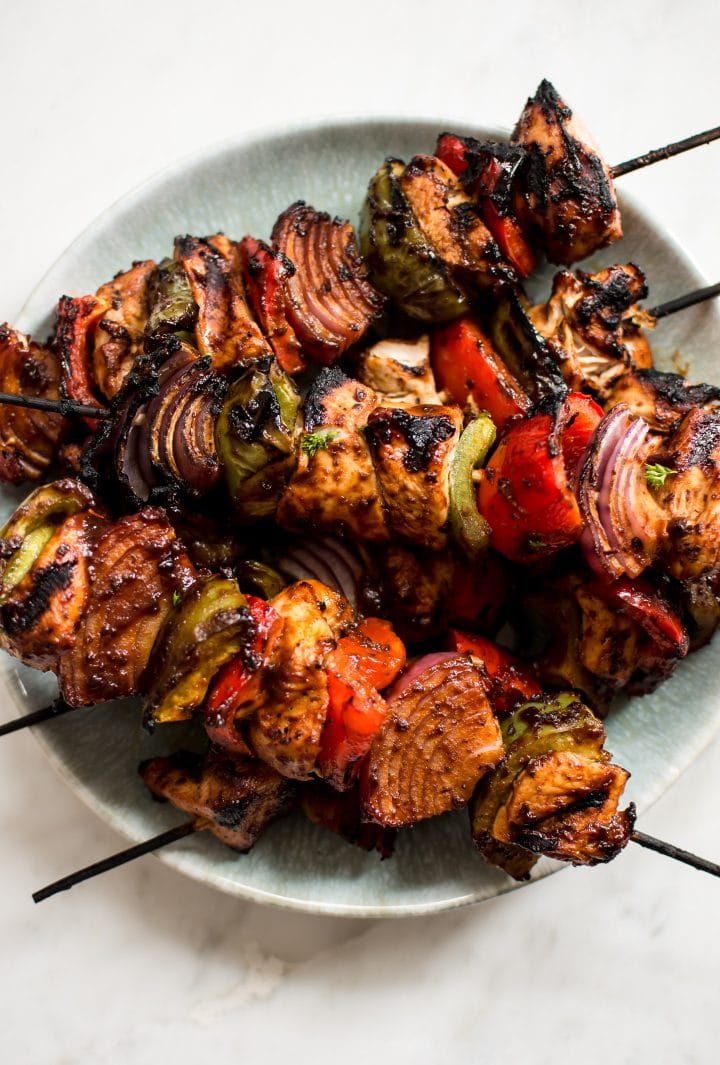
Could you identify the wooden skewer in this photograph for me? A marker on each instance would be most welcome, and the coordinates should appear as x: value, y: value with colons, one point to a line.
x: 67, y: 407
x: 55, y: 709
x: 676, y: 148
x: 187, y: 829
x: 115, y: 860
x: 679, y: 855
x: 690, y: 299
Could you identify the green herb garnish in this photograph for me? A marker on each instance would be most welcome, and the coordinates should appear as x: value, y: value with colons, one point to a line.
x: 177, y: 598
x: 314, y: 442
x: 656, y: 475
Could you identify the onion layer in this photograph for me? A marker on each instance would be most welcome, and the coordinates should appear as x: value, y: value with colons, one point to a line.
x: 329, y: 301
x: 623, y: 522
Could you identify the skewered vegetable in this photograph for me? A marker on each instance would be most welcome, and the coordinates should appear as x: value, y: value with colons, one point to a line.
x: 329, y: 301
x: 209, y: 626
x: 555, y: 792
x: 438, y: 739
x: 172, y: 306
x: 254, y: 439
x: 401, y: 262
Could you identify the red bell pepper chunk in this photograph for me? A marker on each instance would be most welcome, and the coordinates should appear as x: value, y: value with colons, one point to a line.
x: 466, y: 366
x: 237, y: 685
x: 510, y: 682
x: 370, y: 658
x: 375, y: 651
x: 527, y: 489
x: 524, y: 492
x: 485, y: 176
x: 585, y: 416
x: 655, y: 616
x: 265, y: 272
x: 452, y: 151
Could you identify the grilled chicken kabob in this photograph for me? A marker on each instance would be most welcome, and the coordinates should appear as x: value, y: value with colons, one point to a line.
x: 398, y: 472
x: 455, y: 728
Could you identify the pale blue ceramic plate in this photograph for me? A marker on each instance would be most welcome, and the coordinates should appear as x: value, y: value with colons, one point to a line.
x: 241, y: 187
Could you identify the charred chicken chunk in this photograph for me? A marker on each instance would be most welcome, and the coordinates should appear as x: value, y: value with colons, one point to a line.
x: 286, y: 728
x: 235, y: 798
x: 662, y: 399
x: 29, y: 439
x: 400, y: 371
x: 136, y: 567
x: 438, y: 739
x: 225, y: 329
x: 120, y: 334
x: 594, y: 326
x: 412, y: 450
x: 567, y: 202
x: 691, y: 497
x: 452, y: 224
x: 329, y: 301
x: 335, y: 486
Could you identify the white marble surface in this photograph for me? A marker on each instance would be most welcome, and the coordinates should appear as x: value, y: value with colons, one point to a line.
x: 620, y: 962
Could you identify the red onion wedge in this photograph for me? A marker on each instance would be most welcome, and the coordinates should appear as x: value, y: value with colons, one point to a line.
x: 329, y: 302
x: 623, y: 521
x: 327, y: 559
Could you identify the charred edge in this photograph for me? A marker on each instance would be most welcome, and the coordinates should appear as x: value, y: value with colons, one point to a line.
x: 676, y: 391
x: 610, y: 300
x: 20, y: 617
x: 326, y: 382
x: 421, y: 433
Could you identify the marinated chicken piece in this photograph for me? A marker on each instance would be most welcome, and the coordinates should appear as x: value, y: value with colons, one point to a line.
x: 662, y: 399
x: 400, y: 371
x: 225, y: 328
x: 335, y: 486
x: 564, y: 806
x: 691, y: 497
x: 341, y: 813
x: 136, y: 567
x: 72, y: 343
x: 29, y: 439
x: 416, y: 588
x: 40, y: 616
x: 412, y: 450
x: 286, y: 728
x: 567, y: 202
x: 594, y: 326
x: 452, y: 224
x: 609, y: 642
x: 439, y: 737
x: 329, y: 301
x: 120, y: 334
x: 235, y: 798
